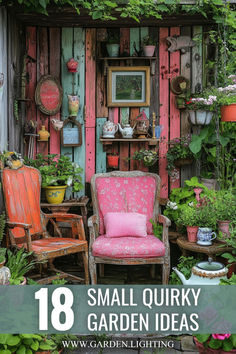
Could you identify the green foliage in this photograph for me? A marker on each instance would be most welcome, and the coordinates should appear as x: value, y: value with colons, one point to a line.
x: 230, y: 281
x: 26, y: 343
x: 19, y: 264
x: 149, y: 157
x: 56, y: 171
x: 207, y: 216
x: 208, y: 341
x: 225, y: 205
x: 2, y: 230
x: 190, y: 216
x: 157, y: 229
x: 185, y: 266
x: 147, y: 40
x: 178, y: 149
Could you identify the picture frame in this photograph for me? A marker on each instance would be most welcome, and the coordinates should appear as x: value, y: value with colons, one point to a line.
x: 71, y: 133
x: 128, y: 86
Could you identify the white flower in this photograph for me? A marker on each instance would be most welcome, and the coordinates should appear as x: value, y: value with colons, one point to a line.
x: 190, y: 204
x: 69, y: 181
x: 172, y: 205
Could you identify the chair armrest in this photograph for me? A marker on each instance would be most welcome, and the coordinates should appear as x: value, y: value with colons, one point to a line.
x: 75, y: 220
x: 164, y: 220
x: 12, y: 224
x: 93, y: 229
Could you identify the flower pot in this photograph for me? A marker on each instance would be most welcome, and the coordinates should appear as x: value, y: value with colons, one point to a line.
x: 223, y: 226
x: 55, y: 194
x: 200, y: 117
x: 228, y: 113
x: 192, y: 233
x: 180, y: 102
x: 73, y: 105
x: 113, y: 161
x: 183, y: 162
x: 149, y: 50
x: 210, y: 183
x: 113, y: 50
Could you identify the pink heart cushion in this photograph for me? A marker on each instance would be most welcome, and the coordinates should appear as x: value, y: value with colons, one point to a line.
x: 125, y: 224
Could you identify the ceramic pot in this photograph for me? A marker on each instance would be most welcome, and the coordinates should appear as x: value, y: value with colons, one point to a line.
x: 192, y: 233
x: 43, y: 134
x: 149, y: 50
x: 55, y: 194
x: 113, y: 50
x: 210, y: 183
x: 223, y: 226
x: 228, y: 113
x: 109, y: 129
x: 200, y: 117
x: 183, y: 162
x: 205, y: 236
x: 113, y: 161
x: 73, y: 105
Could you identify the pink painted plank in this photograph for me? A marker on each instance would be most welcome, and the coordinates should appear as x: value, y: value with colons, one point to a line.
x: 90, y: 104
x: 31, y: 70
x: 55, y: 50
x: 174, y: 112
x: 164, y: 110
x: 134, y: 165
x: 125, y: 41
x: 42, y: 69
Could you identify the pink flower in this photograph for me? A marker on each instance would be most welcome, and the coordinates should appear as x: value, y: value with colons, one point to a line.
x: 221, y: 336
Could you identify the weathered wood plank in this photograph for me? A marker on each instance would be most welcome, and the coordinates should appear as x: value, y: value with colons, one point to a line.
x: 164, y: 109
x: 124, y: 147
x: 79, y: 54
x: 90, y: 120
x: 100, y: 154
x: 31, y: 68
x: 134, y: 112
x: 54, y: 69
x: 185, y: 125
x: 42, y: 69
x: 174, y: 112
x: 102, y: 109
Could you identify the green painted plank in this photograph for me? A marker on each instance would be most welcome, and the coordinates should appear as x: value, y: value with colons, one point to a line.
x: 100, y: 154
x: 79, y: 54
x: 144, y: 31
x: 124, y: 115
x: 134, y: 38
x: 66, y: 80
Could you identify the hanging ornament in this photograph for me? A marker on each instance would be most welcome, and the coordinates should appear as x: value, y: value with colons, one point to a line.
x: 72, y: 65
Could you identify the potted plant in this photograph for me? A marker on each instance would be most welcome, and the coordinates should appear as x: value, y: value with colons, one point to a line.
x: 19, y: 264
x: 201, y: 107
x: 149, y: 46
x: 27, y: 343
x: 113, y: 45
x: 227, y: 100
x: 179, y: 153
x: 207, y: 214
x: 149, y: 157
x: 225, y: 207
x: 215, y: 343
x: 113, y: 160
x: 189, y: 217
x: 57, y: 172
x: 185, y: 266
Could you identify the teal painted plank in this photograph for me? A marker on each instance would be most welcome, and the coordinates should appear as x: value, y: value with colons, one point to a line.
x: 100, y: 154
x: 144, y: 31
x: 66, y: 79
x: 134, y: 38
x: 79, y: 54
x: 124, y: 115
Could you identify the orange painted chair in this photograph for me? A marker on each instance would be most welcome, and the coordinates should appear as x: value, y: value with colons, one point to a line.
x: 127, y: 192
x: 27, y: 223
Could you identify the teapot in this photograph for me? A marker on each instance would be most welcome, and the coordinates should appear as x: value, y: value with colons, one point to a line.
x: 204, y: 273
x: 109, y: 129
x: 127, y: 131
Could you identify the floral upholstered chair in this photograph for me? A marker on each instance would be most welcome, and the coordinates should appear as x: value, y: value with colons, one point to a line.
x: 120, y: 230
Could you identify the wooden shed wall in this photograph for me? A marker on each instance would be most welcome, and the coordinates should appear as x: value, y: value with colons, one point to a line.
x: 51, y: 48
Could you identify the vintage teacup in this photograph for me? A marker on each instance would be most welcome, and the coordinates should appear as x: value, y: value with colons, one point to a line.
x: 205, y: 236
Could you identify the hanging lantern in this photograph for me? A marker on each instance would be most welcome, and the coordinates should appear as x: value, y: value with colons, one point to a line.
x: 141, y: 125
x: 72, y: 65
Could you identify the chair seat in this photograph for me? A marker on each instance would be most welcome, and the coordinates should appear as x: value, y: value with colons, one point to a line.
x: 128, y: 247
x: 50, y: 247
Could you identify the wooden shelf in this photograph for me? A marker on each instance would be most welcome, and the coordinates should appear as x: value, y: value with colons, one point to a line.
x: 130, y: 61
x: 127, y: 58
x: 108, y: 142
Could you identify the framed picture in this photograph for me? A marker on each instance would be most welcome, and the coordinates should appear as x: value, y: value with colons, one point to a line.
x: 71, y: 134
x: 48, y: 95
x: 128, y: 86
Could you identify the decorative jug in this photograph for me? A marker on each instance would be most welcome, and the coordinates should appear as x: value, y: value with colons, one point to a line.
x: 43, y: 134
x: 204, y: 236
x: 73, y: 105
x: 127, y: 131
x: 109, y: 129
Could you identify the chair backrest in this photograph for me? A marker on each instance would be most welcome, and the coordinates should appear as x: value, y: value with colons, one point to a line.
x: 132, y: 191
x: 21, y: 190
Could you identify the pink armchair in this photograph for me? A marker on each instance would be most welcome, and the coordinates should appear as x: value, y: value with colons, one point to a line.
x: 132, y: 191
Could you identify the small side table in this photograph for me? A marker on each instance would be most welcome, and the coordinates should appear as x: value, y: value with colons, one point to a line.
x: 65, y: 207
x: 211, y: 251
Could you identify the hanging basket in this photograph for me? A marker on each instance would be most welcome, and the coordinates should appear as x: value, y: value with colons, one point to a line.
x: 228, y: 113
x: 200, y: 117
x: 183, y: 162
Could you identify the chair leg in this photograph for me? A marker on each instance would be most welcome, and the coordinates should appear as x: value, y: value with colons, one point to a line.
x: 101, y: 269
x: 152, y: 271
x: 165, y: 274
x: 86, y: 271
x: 93, y: 270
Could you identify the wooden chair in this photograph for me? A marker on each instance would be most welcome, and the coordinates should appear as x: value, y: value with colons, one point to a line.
x: 133, y: 191
x: 27, y: 223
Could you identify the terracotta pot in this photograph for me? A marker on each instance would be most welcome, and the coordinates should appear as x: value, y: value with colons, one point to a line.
x: 192, y: 233
x: 228, y: 113
x: 149, y: 50
x: 183, y: 162
x: 223, y: 226
x: 113, y: 161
